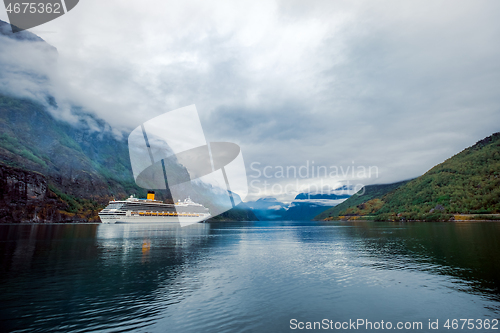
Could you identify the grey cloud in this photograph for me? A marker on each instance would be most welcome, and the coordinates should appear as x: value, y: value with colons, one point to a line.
x: 399, y: 85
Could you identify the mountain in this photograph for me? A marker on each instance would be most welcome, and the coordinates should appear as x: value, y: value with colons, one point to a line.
x: 80, y: 161
x: 240, y: 212
x: 305, y: 206
x: 363, y: 195
x: 24, y: 35
x: 268, y: 209
x: 84, y: 168
x: 76, y: 165
x: 467, y: 183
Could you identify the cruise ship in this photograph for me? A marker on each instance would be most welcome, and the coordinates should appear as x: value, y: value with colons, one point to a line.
x: 149, y: 210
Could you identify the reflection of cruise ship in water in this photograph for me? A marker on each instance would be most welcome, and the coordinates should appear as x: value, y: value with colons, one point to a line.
x: 149, y: 210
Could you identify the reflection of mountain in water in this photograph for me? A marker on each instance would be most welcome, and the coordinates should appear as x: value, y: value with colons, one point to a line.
x: 466, y: 251
x: 126, y: 277
x: 78, y: 273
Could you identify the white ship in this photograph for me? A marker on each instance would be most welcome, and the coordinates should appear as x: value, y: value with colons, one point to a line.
x: 134, y: 210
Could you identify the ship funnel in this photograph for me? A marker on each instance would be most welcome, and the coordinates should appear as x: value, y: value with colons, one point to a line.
x: 151, y: 195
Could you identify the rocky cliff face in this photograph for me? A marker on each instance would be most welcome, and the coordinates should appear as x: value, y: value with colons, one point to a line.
x: 25, y: 197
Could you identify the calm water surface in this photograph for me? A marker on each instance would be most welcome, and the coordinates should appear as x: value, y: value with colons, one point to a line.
x: 245, y: 277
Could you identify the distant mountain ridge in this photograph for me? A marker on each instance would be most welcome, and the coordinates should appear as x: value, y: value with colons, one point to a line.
x: 365, y: 194
x: 268, y: 209
x: 321, y: 196
x: 304, y: 207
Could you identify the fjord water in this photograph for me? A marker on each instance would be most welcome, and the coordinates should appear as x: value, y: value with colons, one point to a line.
x: 245, y: 276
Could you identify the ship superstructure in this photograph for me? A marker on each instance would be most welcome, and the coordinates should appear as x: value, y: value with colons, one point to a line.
x: 134, y: 210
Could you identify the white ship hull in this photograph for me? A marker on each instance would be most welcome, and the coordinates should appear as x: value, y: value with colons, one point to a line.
x: 110, y: 219
x: 135, y: 210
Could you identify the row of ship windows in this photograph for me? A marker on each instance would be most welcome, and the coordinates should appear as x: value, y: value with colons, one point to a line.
x: 146, y: 208
x: 162, y: 214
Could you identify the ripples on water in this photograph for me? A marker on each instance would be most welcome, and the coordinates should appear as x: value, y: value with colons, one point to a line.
x: 243, y: 277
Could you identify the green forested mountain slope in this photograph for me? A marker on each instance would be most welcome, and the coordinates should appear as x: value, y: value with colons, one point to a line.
x: 80, y: 161
x: 467, y: 183
x: 84, y: 168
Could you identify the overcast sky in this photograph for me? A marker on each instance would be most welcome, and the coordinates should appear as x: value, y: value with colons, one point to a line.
x: 398, y: 85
